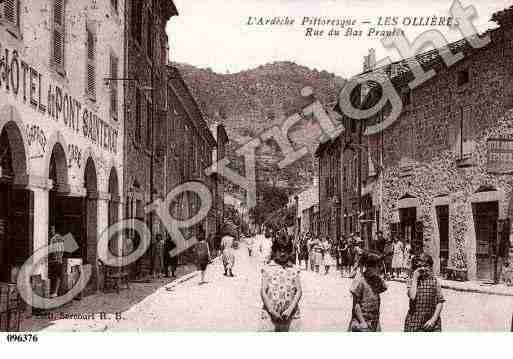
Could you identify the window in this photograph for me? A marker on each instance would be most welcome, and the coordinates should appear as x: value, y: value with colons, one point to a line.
x: 137, y: 20
x: 138, y: 116
x: 114, y: 86
x: 114, y: 4
x: 58, y: 35
x: 10, y: 13
x: 463, y: 77
x: 149, y: 36
x: 149, y: 124
x: 91, y: 66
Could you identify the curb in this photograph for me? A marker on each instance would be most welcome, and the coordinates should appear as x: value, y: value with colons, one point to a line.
x: 466, y: 290
x: 185, y: 278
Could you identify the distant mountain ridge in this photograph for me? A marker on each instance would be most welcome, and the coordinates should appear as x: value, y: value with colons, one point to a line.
x: 251, y: 101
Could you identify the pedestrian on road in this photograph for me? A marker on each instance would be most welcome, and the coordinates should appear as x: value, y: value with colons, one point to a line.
x: 281, y: 289
x: 344, y: 257
x: 328, y: 259
x: 366, y: 290
x: 170, y: 259
x: 426, y: 298
x: 250, y: 243
x: 357, y: 252
x: 317, y: 251
x: 303, y: 251
x: 397, y: 259
x: 228, y: 255
x: 389, y: 254
x: 158, y: 256
x: 202, y: 257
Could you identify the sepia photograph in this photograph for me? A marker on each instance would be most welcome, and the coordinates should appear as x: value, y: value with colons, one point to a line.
x: 188, y: 166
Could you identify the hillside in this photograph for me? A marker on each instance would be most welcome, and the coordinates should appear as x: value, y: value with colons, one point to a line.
x: 251, y: 101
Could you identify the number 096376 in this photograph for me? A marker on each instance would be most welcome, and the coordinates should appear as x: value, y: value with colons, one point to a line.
x: 22, y: 338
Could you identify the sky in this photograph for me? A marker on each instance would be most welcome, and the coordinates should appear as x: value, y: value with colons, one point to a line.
x: 214, y: 34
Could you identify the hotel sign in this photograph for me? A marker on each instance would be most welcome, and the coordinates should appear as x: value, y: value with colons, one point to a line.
x: 28, y: 86
x: 500, y: 155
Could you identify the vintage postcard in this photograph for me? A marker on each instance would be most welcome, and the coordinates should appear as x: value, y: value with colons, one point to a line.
x: 255, y: 165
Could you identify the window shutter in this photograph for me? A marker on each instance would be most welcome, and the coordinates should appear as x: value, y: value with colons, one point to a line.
x: 149, y: 124
x: 58, y: 34
x: 11, y: 11
x: 138, y: 114
x: 91, y: 70
x: 114, y: 86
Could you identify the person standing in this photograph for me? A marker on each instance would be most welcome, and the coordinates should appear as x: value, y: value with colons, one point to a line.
x: 158, y: 256
x: 317, y: 251
x: 407, y: 259
x: 357, y: 252
x: 397, y: 259
x: 328, y: 259
x: 380, y: 243
x: 344, y: 257
x: 426, y: 298
x: 203, y: 257
x: 250, y: 243
x: 228, y: 255
x: 389, y: 254
x: 303, y: 250
x: 170, y: 258
x: 280, y: 290
x: 55, y: 262
x: 366, y: 290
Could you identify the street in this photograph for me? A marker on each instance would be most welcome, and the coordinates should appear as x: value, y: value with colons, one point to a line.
x: 233, y: 304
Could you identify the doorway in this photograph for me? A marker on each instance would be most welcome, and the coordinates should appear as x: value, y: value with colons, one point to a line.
x: 16, y: 205
x: 408, y: 217
x: 442, y: 213
x: 485, y: 216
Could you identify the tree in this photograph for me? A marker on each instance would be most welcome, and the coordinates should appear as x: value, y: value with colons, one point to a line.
x: 270, y: 200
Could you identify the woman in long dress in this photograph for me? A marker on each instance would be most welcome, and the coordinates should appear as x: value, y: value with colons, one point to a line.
x: 397, y: 259
x: 228, y: 255
x: 407, y: 259
x: 281, y: 289
x: 329, y: 260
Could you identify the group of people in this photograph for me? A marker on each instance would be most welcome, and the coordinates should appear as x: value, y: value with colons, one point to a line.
x: 317, y: 253
x: 281, y: 290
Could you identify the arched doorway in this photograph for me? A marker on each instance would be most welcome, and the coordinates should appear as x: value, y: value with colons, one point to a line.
x: 113, y: 210
x: 90, y: 224
x: 16, y: 209
x: 61, y: 219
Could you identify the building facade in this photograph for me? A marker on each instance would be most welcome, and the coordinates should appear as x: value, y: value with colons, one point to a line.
x: 145, y: 86
x: 191, y: 146
x: 62, y: 127
x: 439, y: 176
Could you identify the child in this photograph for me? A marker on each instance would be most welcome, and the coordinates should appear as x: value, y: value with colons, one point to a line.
x: 426, y: 299
x: 366, y: 289
x: 203, y: 253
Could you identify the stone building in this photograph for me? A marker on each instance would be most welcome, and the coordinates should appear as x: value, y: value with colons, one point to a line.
x: 145, y: 86
x: 62, y: 127
x: 191, y: 145
x: 442, y: 178
x: 219, y: 132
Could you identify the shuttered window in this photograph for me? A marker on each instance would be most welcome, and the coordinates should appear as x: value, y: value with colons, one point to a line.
x: 149, y: 124
x: 10, y: 12
x: 137, y: 20
x: 149, y: 36
x: 114, y: 86
x: 91, y: 68
x: 138, y: 115
x: 58, y: 35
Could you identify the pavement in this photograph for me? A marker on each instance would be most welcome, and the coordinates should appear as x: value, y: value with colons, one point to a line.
x: 234, y: 304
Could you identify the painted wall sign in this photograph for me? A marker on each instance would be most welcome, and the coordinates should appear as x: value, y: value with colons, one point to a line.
x: 75, y: 155
x: 36, y: 135
x: 500, y: 155
x: 27, y: 85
